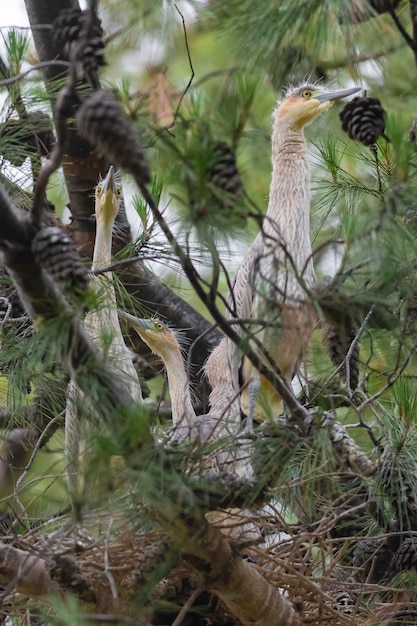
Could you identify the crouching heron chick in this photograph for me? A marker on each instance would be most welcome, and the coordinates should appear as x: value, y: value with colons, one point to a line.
x: 162, y: 341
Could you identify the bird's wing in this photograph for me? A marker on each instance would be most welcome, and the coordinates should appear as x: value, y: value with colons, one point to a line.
x: 240, y: 299
x: 240, y: 303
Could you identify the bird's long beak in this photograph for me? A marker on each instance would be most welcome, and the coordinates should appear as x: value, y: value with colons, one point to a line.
x: 136, y: 322
x: 336, y: 95
x: 109, y: 183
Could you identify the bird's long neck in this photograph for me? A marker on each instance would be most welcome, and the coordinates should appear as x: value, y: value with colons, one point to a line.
x: 179, y: 386
x: 103, y: 244
x: 288, y: 214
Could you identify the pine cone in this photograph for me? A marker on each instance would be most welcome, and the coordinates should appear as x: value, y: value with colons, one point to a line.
x: 66, y: 571
x: 153, y: 558
x: 66, y: 35
x: 26, y: 135
x: 352, y: 504
x: 406, y: 555
x: 373, y: 558
x: 398, y: 473
x: 56, y: 252
x: 364, y: 120
x: 224, y: 173
x: 102, y: 122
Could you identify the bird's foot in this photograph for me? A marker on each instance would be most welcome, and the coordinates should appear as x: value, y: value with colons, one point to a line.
x: 248, y: 432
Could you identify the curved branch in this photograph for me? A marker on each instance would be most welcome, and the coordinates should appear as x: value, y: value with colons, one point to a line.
x: 26, y: 573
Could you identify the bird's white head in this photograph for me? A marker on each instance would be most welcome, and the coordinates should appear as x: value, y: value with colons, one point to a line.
x: 304, y: 103
x: 108, y: 194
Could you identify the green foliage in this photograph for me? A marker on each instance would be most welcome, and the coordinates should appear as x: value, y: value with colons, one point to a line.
x: 364, y: 210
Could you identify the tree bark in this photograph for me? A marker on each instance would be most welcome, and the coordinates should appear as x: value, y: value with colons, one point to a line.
x: 239, y: 584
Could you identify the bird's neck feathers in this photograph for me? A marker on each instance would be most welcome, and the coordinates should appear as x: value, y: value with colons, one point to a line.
x: 287, y: 139
x: 179, y: 386
x: 289, y: 196
x: 103, y: 244
x: 287, y: 220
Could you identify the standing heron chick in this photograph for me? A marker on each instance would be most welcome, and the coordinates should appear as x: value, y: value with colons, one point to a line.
x: 271, y: 283
x: 103, y: 323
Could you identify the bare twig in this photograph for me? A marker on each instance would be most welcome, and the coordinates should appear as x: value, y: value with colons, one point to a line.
x: 183, y: 94
x: 34, y: 68
x: 193, y: 597
x: 107, y: 570
x: 62, y: 111
x: 409, y: 41
x: 353, y: 346
x: 36, y: 448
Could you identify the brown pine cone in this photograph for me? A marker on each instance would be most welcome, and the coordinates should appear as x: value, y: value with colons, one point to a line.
x: 224, y: 173
x: 102, y: 121
x: 397, y: 475
x: 373, y: 558
x: 56, y: 253
x: 67, y: 29
x: 382, y: 6
x: 406, y: 555
x: 22, y: 137
x: 364, y: 120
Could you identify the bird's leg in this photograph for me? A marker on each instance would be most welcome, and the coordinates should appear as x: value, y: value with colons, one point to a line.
x: 253, y: 390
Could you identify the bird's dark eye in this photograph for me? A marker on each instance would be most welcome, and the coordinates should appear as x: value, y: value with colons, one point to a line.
x: 98, y: 190
x: 159, y: 326
x: 118, y: 190
x: 306, y: 93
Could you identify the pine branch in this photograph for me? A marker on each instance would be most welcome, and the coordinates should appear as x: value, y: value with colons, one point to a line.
x: 44, y: 302
x: 27, y: 573
x: 244, y: 590
x: 401, y: 29
x: 346, y: 449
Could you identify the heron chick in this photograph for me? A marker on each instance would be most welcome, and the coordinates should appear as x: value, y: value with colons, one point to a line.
x: 163, y: 342
x: 271, y: 283
x: 219, y: 423
x: 102, y: 323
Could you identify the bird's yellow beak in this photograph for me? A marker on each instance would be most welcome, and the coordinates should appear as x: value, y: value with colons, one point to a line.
x: 109, y: 183
x: 332, y: 96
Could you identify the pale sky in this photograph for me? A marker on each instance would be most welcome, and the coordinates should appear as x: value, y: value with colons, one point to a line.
x: 15, y: 15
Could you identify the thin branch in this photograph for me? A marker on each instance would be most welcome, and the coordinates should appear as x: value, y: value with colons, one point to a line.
x: 183, y: 94
x: 409, y: 41
x: 35, y: 450
x: 193, y: 597
x: 63, y: 108
x: 413, y: 15
x: 107, y: 570
x: 360, y: 58
x: 34, y: 68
